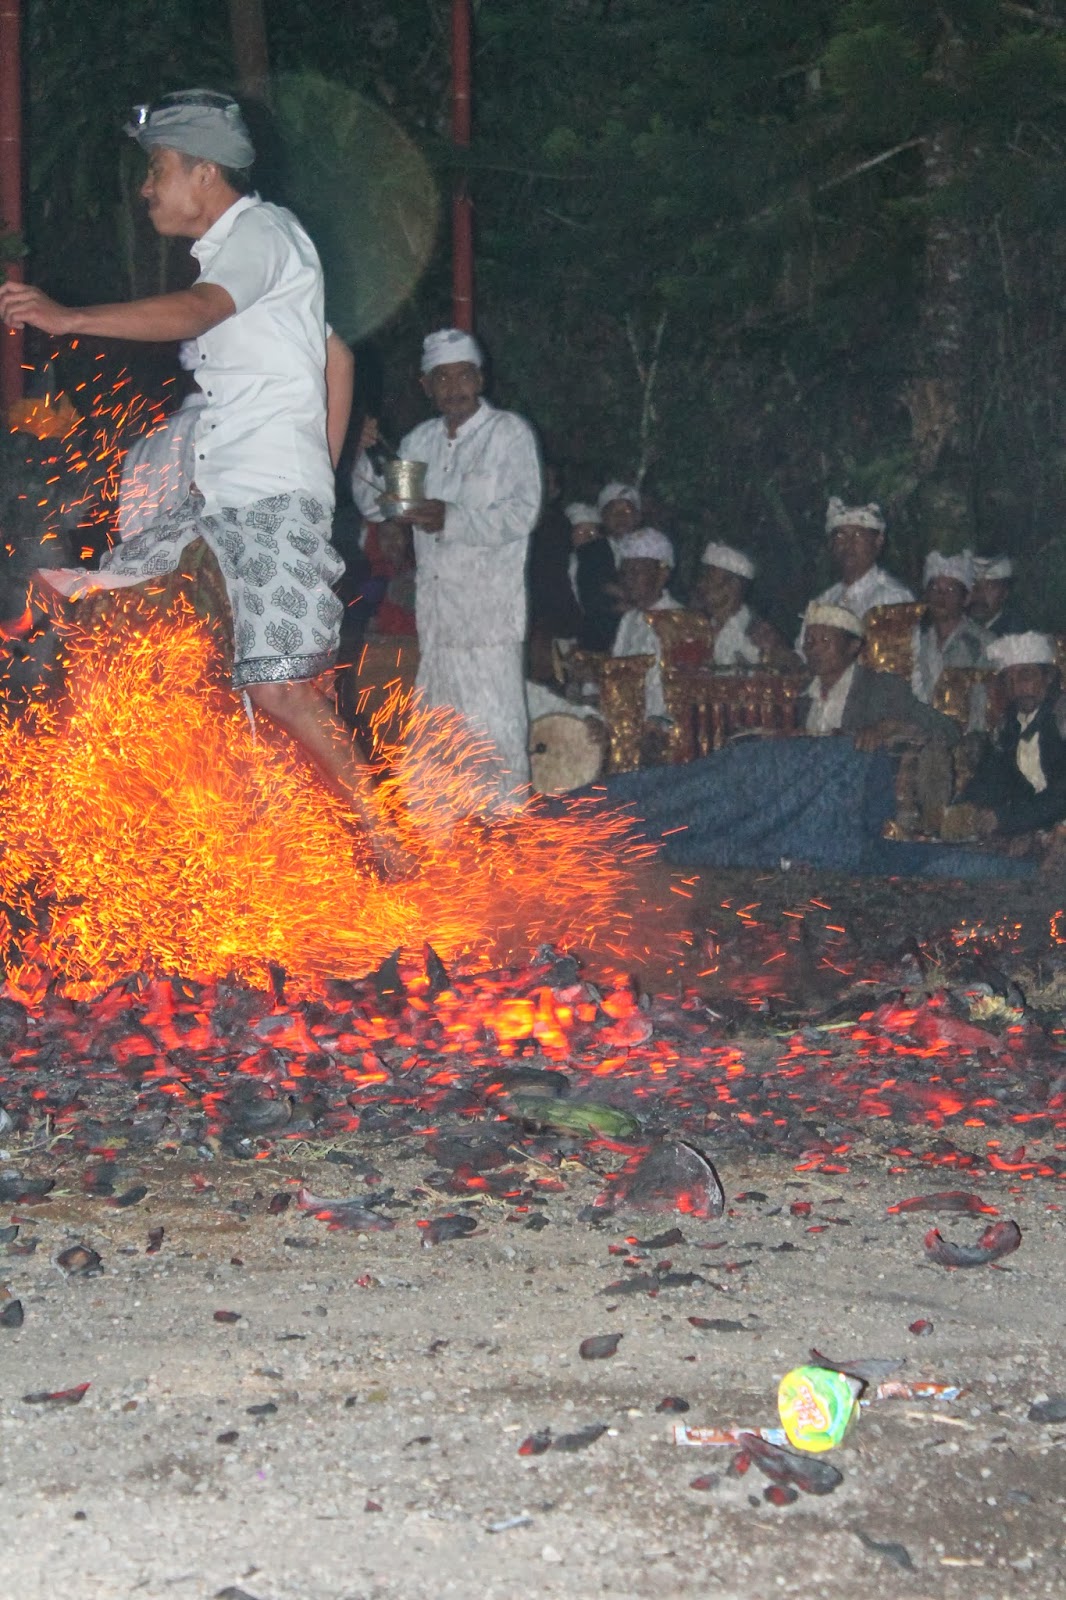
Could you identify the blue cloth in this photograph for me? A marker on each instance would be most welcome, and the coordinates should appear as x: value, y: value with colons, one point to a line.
x: 811, y: 802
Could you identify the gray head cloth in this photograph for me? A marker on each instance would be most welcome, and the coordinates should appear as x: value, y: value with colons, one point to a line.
x: 198, y: 122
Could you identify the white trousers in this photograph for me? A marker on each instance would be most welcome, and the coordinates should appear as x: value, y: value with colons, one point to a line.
x: 486, y: 685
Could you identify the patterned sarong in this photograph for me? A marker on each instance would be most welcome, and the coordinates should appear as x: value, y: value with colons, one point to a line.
x: 278, y: 566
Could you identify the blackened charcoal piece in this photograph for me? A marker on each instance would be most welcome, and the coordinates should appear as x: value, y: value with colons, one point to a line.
x: 436, y: 972
x: 79, y: 1261
x: 673, y: 1176
x: 23, y: 1191
x: 599, y: 1346
x: 999, y: 1240
x: 442, y: 1229
x: 386, y: 979
x: 572, y: 1442
x: 1053, y: 1410
x: 806, y: 1472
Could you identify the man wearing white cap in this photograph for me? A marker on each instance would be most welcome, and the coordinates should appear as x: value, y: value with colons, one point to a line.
x: 856, y: 540
x: 620, y: 511
x: 990, y: 596
x: 646, y: 559
x: 947, y: 636
x: 741, y: 639
x: 263, y: 490
x: 846, y: 697
x: 1020, y: 783
x: 483, y: 489
x: 593, y: 577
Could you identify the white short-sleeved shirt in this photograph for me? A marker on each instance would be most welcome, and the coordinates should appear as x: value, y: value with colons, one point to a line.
x: 262, y: 429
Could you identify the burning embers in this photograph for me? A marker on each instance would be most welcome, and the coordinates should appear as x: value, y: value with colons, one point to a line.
x: 189, y: 920
x: 148, y: 828
x: 508, y: 1074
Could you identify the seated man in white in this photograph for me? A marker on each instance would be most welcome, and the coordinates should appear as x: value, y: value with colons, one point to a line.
x: 947, y: 636
x: 741, y: 639
x: 620, y: 512
x: 646, y: 559
x: 856, y: 540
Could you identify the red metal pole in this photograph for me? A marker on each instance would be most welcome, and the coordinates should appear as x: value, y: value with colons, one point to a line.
x: 462, y: 205
x: 10, y: 184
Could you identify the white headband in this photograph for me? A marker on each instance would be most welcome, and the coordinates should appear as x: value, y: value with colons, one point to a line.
x: 447, y: 346
x: 820, y: 614
x: 646, y: 544
x: 618, y: 491
x: 959, y: 568
x: 999, y: 568
x: 580, y: 512
x: 727, y: 559
x: 1022, y: 650
x: 838, y: 515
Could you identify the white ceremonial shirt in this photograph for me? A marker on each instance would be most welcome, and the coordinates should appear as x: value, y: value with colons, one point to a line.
x: 637, y: 637
x: 827, y: 710
x: 157, y: 470
x: 1029, y: 763
x: 732, y: 647
x: 262, y: 429
x: 874, y: 588
x: 965, y: 647
x: 470, y: 585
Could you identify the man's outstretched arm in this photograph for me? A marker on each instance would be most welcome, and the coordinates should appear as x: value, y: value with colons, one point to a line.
x: 183, y: 315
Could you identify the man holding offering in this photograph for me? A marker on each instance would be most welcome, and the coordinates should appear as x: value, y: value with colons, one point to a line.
x: 483, y: 488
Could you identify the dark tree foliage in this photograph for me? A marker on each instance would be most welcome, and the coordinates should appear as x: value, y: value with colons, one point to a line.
x: 754, y: 253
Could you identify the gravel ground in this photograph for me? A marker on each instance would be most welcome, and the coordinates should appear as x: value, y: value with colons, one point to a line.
x: 396, y: 1383
x: 405, y: 1379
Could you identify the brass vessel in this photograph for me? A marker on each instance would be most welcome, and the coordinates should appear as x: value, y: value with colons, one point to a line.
x: 405, y: 485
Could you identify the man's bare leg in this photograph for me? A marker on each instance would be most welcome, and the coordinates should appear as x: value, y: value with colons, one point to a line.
x: 305, y: 714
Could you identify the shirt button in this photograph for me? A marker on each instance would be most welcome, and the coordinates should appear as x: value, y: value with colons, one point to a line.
x: 202, y: 457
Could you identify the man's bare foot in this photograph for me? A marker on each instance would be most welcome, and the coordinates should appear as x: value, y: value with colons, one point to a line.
x: 391, y: 856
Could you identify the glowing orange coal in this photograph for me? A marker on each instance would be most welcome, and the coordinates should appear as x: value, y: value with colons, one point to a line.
x: 166, y: 834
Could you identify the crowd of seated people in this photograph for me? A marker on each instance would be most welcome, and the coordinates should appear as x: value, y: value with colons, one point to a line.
x: 996, y: 769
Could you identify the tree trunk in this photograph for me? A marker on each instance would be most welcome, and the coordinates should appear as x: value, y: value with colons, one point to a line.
x: 938, y: 397
x: 248, y: 31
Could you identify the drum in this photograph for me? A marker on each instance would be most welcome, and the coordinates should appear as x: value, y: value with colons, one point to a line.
x: 565, y: 751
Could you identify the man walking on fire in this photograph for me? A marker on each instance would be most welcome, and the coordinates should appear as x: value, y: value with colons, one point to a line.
x: 263, y: 489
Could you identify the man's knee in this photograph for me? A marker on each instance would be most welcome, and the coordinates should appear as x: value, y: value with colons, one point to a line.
x: 282, y: 702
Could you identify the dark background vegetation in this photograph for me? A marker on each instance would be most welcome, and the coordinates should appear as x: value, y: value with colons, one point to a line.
x: 752, y: 252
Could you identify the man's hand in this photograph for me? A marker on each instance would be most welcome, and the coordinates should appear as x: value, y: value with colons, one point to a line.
x: 183, y: 314
x: 21, y: 303
x: 429, y: 514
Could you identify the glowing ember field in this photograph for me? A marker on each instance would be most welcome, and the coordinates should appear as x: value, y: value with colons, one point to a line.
x: 165, y: 835
x: 197, y: 950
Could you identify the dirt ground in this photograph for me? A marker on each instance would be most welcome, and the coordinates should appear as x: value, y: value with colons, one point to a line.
x: 355, y: 1432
